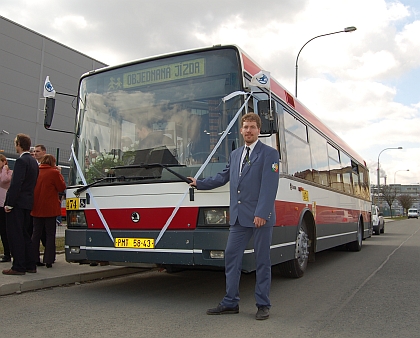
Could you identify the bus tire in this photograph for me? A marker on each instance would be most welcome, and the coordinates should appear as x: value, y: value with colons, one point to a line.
x: 357, y: 244
x: 296, y: 267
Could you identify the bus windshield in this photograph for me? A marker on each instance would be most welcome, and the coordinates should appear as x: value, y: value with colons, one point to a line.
x: 162, y: 111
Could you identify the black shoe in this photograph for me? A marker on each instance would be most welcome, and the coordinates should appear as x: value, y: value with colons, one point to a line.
x: 5, y: 259
x: 223, y: 310
x: 48, y: 265
x: 40, y: 264
x: 262, y: 313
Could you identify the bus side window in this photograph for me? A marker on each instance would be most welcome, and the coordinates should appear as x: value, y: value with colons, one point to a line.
x: 297, y: 147
x: 335, y: 168
x: 346, y: 172
x: 319, y: 157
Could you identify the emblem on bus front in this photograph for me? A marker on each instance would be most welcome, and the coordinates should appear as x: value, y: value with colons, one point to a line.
x: 135, y: 217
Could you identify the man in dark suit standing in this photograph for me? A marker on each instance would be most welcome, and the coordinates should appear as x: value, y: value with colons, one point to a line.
x: 18, y: 205
x: 253, y: 172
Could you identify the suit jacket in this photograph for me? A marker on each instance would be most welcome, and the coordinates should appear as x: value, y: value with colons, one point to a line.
x: 253, y: 192
x: 21, y: 190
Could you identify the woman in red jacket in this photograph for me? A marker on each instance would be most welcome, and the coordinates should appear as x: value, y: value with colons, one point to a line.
x: 47, y: 207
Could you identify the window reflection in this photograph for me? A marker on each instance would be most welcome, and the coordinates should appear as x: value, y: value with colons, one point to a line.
x: 321, y: 162
x: 298, y: 157
x: 295, y: 127
x: 346, y: 172
x: 176, y: 123
x: 319, y: 156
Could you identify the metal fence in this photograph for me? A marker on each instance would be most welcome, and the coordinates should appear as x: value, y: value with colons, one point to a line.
x: 7, y: 148
x: 60, y: 230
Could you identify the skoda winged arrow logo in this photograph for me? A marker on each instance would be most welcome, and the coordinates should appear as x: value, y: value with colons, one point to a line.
x: 135, y: 217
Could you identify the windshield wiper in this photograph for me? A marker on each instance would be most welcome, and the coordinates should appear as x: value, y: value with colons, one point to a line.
x: 134, y: 166
x: 85, y: 187
x: 113, y: 178
x: 157, y: 165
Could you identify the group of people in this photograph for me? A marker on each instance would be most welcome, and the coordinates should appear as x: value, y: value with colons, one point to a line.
x: 29, y: 206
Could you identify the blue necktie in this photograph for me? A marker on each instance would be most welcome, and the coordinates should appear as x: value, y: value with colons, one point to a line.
x: 246, y: 158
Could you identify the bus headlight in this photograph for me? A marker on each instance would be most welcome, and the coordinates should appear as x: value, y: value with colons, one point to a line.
x: 76, y: 219
x: 216, y: 216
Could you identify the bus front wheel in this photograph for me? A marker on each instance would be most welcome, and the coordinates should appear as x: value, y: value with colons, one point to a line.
x: 296, y: 267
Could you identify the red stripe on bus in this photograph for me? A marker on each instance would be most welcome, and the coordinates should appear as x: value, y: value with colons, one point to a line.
x: 150, y: 218
x: 287, y: 214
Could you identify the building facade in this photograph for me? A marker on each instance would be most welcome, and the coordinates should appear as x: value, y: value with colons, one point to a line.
x: 26, y: 59
x: 412, y: 190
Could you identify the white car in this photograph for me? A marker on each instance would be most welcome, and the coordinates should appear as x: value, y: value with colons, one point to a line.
x: 378, y: 222
x: 413, y: 213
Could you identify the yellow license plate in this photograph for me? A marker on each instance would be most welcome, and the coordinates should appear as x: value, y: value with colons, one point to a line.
x: 136, y: 243
x: 72, y: 203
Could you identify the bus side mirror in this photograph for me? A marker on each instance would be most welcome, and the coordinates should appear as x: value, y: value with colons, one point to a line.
x: 49, y: 112
x: 269, y: 120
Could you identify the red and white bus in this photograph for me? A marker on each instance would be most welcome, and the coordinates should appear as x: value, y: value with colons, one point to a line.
x: 128, y: 202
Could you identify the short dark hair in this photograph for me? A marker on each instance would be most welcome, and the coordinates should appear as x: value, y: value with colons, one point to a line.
x: 24, y: 141
x: 41, y: 146
x: 251, y: 117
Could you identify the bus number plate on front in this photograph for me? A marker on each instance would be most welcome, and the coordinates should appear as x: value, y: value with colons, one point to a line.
x: 136, y: 243
x: 72, y: 204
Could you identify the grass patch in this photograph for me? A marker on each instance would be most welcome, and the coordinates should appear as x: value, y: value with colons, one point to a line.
x: 396, y: 218
x: 59, y: 243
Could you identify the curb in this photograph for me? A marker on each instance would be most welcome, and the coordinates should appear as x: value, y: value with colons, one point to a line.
x: 31, y: 285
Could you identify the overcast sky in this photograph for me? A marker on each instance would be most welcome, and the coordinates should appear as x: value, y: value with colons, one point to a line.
x: 364, y: 84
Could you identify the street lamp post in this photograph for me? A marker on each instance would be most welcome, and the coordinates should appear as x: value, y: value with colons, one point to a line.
x: 345, y: 30
x: 398, y: 171
x: 377, y: 187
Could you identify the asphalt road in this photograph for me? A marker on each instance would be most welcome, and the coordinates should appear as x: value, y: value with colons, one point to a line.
x: 371, y: 293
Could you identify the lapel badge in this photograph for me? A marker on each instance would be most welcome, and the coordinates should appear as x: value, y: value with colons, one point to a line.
x: 275, y: 167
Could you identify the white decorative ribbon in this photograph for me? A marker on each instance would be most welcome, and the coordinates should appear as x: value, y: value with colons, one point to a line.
x: 79, y: 170
x: 203, y: 166
x: 228, y: 97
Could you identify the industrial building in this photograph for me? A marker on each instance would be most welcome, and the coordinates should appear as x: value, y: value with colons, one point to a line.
x: 26, y: 59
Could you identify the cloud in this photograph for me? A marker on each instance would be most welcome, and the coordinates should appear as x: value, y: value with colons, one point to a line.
x: 408, y: 44
x: 69, y: 22
x: 373, y: 64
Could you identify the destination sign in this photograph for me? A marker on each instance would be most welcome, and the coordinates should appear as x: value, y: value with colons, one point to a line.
x: 165, y: 73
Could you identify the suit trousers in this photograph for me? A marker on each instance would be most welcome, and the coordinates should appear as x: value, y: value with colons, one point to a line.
x: 18, y: 225
x: 238, y: 239
x: 45, y: 225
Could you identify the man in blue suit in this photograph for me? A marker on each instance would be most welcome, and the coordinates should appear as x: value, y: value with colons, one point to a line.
x: 253, y: 172
x: 18, y: 206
